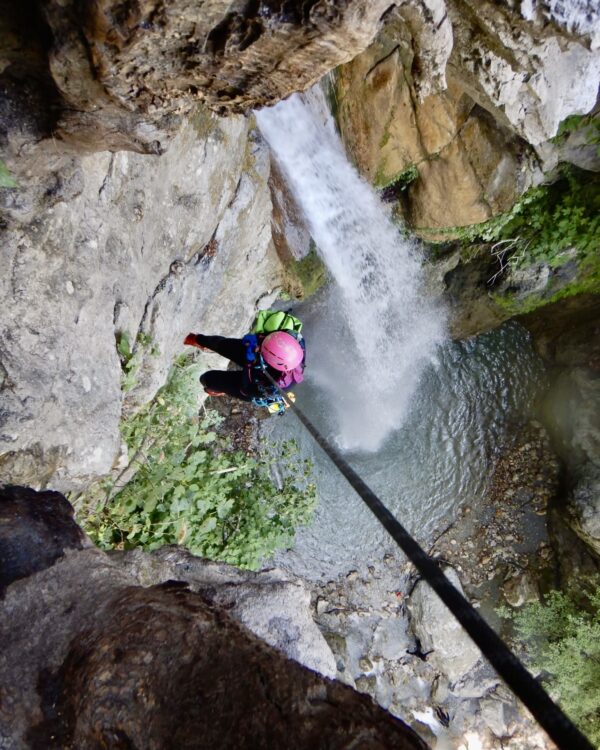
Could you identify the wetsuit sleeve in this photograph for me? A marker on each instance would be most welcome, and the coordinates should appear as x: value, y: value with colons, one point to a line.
x: 251, y: 344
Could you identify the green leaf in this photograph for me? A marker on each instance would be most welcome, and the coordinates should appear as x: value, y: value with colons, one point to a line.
x: 6, y: 179
x: 206, y: 526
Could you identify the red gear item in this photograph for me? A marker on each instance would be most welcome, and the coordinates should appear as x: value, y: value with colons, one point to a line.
x: 191, y: 340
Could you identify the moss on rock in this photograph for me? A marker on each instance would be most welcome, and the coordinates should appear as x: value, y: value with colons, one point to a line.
x: 307, y: 275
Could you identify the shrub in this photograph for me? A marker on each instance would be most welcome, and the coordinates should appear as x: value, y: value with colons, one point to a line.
x: 545, y: 222
x: 191, y: 489
x: 561, y: 637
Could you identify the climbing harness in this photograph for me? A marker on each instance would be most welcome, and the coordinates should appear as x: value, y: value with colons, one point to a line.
x: 266, y: 323
x: 550, y: 716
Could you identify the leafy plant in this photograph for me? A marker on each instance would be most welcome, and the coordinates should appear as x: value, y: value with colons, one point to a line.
x: 131, y: 357
x: 573, y: 123
x: 544, y: 224
x: 6, y: 179
x: 561, y: 638
x: 191, y: 489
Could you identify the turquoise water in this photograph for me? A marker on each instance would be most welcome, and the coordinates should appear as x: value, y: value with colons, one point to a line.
x: 435, y: 462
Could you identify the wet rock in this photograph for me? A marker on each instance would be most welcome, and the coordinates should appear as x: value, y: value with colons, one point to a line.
x: 452, y: 651
x: 584, y: 507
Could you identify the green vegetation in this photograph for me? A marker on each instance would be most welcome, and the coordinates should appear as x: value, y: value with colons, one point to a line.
x: 330, y: 87
x: 561, y: 637
x: 310, y: 272
x: 398, y: 182
x: 6, y: 179
x: 573, y: 123
x: 192, y: 489
x: 552, y: 225
x: 131, y: 357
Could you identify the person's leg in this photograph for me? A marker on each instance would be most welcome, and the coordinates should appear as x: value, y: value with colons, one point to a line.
x: 233, y: 349
x: 224, y: 381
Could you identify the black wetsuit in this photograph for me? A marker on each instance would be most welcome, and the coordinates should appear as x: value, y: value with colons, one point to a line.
x: 244, y: 384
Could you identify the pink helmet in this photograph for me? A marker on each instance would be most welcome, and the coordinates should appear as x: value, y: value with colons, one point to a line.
x: 281, y: 351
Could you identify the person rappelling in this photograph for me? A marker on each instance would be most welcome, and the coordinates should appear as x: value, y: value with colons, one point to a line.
x: 274, y: 349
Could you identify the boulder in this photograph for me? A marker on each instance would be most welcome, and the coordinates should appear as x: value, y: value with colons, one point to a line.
x: 583, y: 507
x: 90, y: 656
x: 520, y: 589
x: 449, y: 649
x: 273, y: 604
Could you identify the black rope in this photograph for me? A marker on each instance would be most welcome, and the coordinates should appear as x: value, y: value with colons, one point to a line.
x: 559, y: 727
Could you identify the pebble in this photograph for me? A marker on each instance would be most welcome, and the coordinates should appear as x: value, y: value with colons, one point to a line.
x: 365, y: 664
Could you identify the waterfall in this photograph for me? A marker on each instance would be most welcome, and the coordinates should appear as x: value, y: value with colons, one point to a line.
x: 380, y: 328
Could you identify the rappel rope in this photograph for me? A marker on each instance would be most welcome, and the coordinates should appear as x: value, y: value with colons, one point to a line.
x: 550, y: 716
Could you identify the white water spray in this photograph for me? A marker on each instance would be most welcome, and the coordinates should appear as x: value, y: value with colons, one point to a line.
x: 369, y: 363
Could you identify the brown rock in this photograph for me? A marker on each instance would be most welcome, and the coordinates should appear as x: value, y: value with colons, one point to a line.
x: 125, y: 69
x: 455, y: 164
x: 161, y: 669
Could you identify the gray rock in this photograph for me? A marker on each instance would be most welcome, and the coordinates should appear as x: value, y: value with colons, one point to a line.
x: 545, y: 78
x: 453, y: 652
x: 476, y: 684
x: 583, y: 507
x: 85, y: 634
x: 496, y: 714
x: 272, y: 604
x: 520, y: 589
x: 149, y: 245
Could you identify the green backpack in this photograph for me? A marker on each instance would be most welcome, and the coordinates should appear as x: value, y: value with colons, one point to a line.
x: 269, y: 321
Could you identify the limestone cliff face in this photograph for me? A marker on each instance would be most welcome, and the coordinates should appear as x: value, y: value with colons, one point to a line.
x: 161, y: 651
x: 107, y: 245
x: 99, y: 246
x: 454, y: 104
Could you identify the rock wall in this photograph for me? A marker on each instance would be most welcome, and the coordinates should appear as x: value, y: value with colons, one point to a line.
x: 150, y: 651
x: 120, y: 74
x: 103, y: 245
x: 453, y: 105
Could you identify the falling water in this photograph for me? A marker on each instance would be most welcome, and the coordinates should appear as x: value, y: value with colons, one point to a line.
x: 371, y: 359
